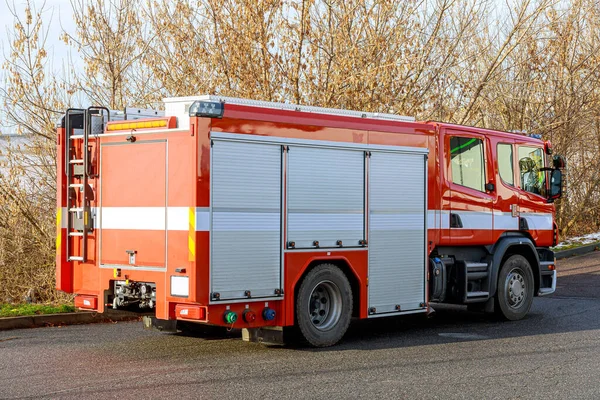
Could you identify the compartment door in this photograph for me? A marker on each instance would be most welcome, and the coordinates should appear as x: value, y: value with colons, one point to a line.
x: 133, y: 198
x: 325, y: 197
x: 246, y: 241
x: 397, y: 228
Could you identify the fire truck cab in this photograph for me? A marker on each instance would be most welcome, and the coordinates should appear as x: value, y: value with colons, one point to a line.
x: 263, y: 216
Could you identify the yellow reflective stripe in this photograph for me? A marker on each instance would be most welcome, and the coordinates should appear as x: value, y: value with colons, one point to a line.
x: 58, y: 229
x: 192, y: 234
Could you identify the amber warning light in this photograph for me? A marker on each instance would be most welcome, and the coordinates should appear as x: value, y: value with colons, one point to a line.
x: 141, y: 124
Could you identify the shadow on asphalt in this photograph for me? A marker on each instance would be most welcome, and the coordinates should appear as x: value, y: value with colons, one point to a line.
x: 579, y: 284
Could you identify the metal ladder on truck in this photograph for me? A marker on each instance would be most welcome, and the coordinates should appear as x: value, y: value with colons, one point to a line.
x: 81, y: 126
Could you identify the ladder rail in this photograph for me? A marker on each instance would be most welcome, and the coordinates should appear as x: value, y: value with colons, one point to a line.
x: 82, y: 185
x: 87, y: 130
x: 68, y: 170
x: 68, y: 129
x: 87, y: 124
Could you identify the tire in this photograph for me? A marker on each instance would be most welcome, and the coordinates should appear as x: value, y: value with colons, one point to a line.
x: 324, y: 306
x: 514, y: 295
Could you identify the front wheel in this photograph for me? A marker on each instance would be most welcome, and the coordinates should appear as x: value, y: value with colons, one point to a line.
x: 324, y: 305
x: 515, y: 288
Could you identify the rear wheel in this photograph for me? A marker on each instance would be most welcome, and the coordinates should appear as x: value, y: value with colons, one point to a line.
x: 515, y: 288
x: 324, y: 305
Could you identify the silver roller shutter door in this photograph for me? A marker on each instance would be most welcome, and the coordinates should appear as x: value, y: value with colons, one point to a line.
x: 325, y: 197
x: 246, y: 219
x: 397, y: 208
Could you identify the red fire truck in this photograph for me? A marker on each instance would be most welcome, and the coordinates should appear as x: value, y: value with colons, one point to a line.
x: 261, y: 216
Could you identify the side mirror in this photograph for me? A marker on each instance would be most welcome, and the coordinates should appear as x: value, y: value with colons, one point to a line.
x: 559, y: 162
x: 555, y: 184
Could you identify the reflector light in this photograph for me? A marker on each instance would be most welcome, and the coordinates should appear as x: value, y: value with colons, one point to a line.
x: 142, y: 124
x: 211, y: 109
x: 190, y: 311
x: 551, y: 267
x: 230, y: 317
x: 249, y: 316
x: 268, y: 314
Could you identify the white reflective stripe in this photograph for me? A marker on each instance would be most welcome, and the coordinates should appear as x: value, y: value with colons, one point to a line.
x: 306, y: 222
x: 505, y: 220
x: 153, y: 218
x: 178, y: 218
x: 482, y: 220
x: 149, y: 218
x: 538, y: 221
x: 133, y: 218
x: 475, y: 219
x: 394, y: 222
x: 246, y: 222
x: 433, y: 219
x: 202, y: 219
x: 445, y: 215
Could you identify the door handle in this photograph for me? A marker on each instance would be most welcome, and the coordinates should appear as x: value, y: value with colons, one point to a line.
x: 455, y: 221
x: 514, y: 209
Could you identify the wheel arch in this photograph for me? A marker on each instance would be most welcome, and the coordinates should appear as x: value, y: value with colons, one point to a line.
x: 508, y: 246
x: 346, y: 267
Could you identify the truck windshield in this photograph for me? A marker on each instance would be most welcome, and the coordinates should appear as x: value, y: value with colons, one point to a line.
x: 532, y: 175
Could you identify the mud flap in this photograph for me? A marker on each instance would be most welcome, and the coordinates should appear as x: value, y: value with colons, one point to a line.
x: 162, y: 325
x: 272, y: 336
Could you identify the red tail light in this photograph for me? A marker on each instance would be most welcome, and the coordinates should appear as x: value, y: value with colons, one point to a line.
x: 88, y: 302
x: 191, y: 311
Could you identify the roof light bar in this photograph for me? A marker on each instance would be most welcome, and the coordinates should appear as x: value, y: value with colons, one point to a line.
x: 211, y: 109
x: 148, y: 124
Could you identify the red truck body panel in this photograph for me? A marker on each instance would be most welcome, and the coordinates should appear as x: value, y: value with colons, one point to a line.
x: 154, y: 197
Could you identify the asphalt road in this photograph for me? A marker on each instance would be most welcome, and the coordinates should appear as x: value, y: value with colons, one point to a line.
x: 553, y: 353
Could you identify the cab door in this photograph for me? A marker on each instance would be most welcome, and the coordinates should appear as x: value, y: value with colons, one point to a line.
x: 470, y: 214
x: 535, y: 213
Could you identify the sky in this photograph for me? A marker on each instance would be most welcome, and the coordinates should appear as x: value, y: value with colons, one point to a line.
x: 57, y: 16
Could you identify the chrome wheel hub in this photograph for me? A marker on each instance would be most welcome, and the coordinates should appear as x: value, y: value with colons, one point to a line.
x: 516, y: 290
x: 325, y: 305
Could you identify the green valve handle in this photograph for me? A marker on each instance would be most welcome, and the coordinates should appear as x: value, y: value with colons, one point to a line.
x: 230, y: 317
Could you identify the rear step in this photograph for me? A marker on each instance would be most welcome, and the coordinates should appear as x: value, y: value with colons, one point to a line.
x: 473, y: 295
x: 475, y: 266
x: 476, y: 271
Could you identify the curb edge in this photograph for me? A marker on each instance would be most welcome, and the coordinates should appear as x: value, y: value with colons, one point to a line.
x: 74, y: 318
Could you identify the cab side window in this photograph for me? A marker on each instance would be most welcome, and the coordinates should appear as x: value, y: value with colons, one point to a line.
x: 466, y: 159
x: 505, y: 163
x: 532, y: 177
